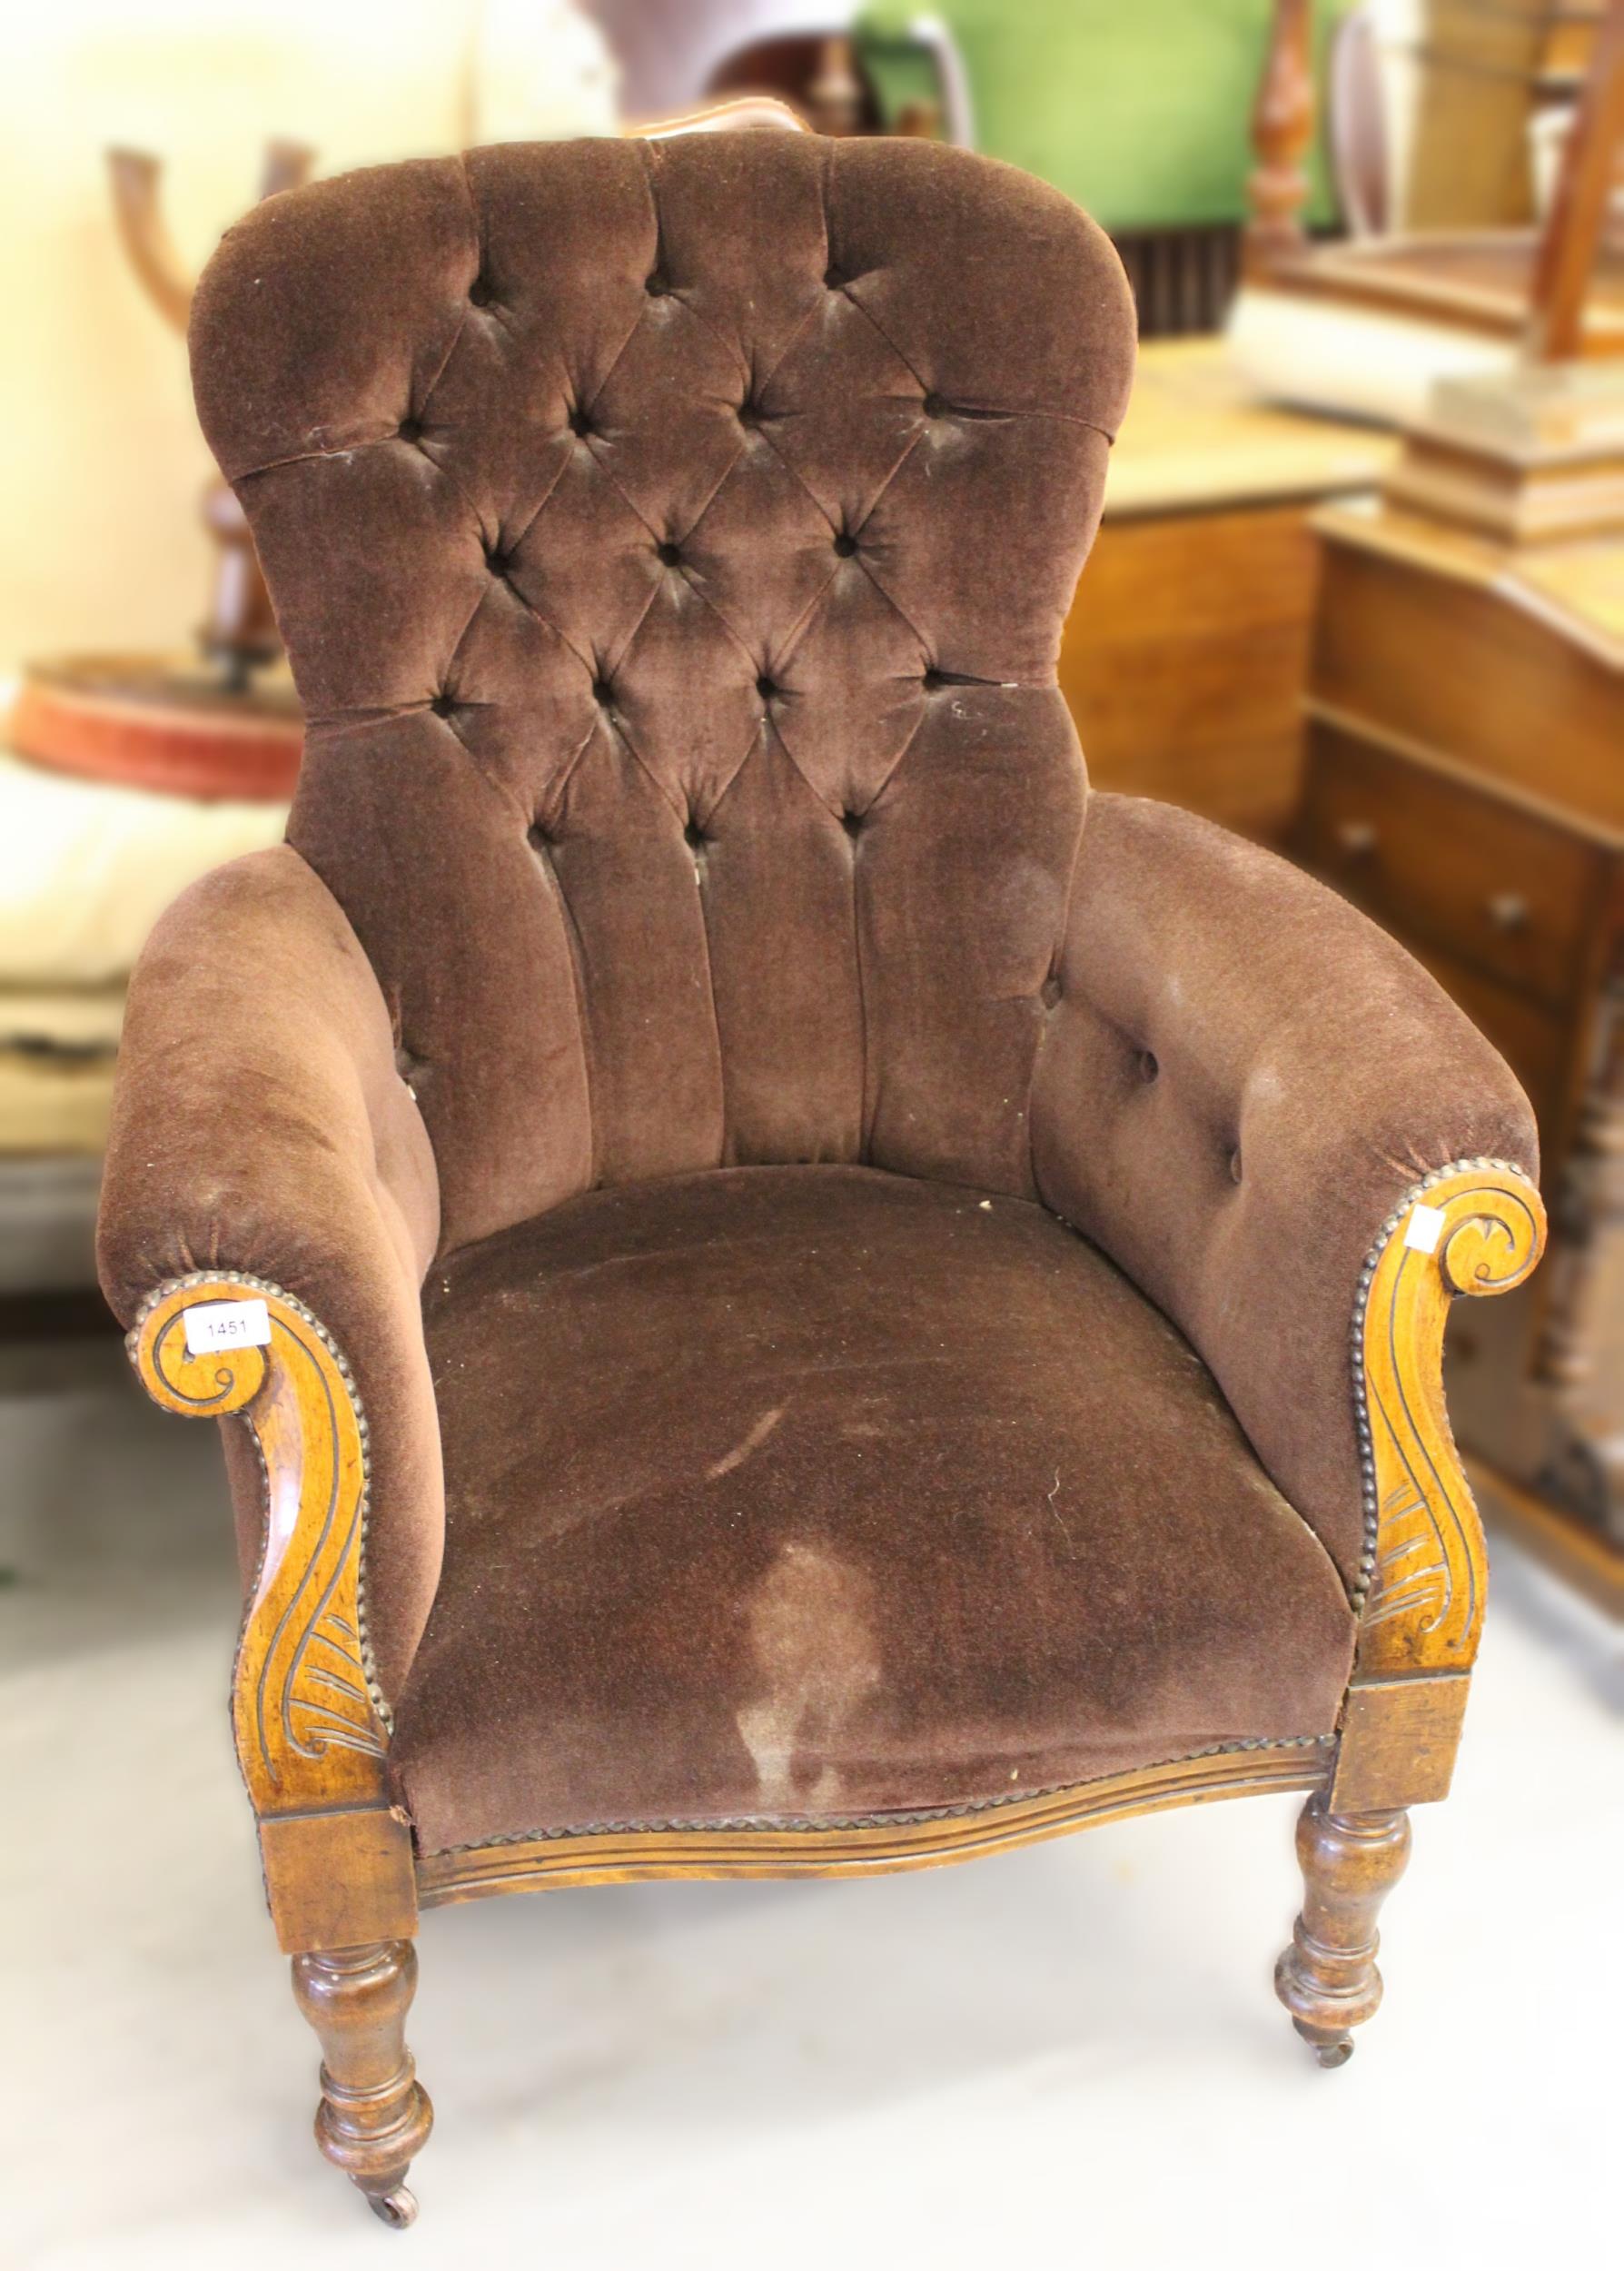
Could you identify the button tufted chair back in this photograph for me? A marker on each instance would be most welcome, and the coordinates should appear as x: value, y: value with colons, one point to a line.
x: 671, y: 543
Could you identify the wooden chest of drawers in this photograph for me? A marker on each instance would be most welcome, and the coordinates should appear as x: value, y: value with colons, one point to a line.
x: 1464, y: 783
x: 1504, y: 900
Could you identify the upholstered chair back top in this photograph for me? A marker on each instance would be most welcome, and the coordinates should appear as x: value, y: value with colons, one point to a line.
x: 672, y: 543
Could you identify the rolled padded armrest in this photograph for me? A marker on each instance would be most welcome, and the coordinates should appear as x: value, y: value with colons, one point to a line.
x: 1243, y: 1079
x: 260, y: 1128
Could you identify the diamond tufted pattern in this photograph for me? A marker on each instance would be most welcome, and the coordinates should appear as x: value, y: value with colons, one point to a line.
x: 672, y: 543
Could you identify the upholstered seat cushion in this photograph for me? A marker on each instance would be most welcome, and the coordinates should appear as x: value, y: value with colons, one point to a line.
x: 817, y: 1493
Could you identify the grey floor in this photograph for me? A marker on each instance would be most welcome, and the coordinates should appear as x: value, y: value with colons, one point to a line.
x: 1070, y: 2055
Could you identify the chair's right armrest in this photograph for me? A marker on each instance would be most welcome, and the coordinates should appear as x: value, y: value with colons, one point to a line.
x: 264, y: 1142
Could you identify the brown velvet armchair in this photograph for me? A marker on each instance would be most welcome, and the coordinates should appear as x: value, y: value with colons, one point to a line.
x: 795, y: 1270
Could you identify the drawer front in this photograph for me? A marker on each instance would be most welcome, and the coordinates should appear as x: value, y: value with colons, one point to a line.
x: 1483, y: 881
x: 1535, y: 1043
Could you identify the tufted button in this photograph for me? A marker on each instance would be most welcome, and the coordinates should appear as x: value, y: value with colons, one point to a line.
x: 670, y: 556
x: 410, y: 429
x: 442, y: 705
x: 1049, y: 992
x: 934, y: 406
x: 767, y: 688
x: 498, y: 562
x: 482, y: 292
x: 579, y: 423
x: 1148, y: 1067
x: 845, y: 544
x: 657, y: 285
x: 694, y: 836
x: 834, y: 278
x: 1235, y: 1164
x: 933, y: 681
x: 603, y: 693
x: 750, y: 412
x: 852, y: 822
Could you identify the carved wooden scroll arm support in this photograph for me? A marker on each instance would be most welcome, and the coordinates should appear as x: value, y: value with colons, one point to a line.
x: 312, y: 1726
x: 1475, y: 1227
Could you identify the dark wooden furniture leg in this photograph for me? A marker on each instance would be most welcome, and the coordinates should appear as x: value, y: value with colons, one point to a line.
x: 374, y: 2116
x: 1327, y: 1978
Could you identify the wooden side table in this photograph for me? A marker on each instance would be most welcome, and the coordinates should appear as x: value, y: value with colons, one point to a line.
x: 1186, y: 650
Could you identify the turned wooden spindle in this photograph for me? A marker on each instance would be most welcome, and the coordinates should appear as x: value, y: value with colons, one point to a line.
x: 374, y: 2116
x: 1327, y: 1978
x: 1282, y: 131
x: 834, y: 92
x: 239, y: 634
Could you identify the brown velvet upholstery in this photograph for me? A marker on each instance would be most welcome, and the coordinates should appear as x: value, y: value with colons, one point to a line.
x: 814, y: 1490
x: 672, y: 544
x: 1243, y: 1078
x: 259, y: 1125
x: 862, y: 392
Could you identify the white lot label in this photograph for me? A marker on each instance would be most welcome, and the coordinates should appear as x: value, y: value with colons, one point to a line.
x: 1424, y: 1229
x: 212, y: 1325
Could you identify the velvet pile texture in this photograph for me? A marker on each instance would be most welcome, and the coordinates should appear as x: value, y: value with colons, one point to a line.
x: 692, y: 894
x: 820, y: 1493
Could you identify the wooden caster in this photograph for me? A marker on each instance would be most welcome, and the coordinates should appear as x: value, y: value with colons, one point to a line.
x: 397, y: 2208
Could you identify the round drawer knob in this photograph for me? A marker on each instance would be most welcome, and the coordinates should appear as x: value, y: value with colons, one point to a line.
x: 1508, y: 910
x: 1356, y: 839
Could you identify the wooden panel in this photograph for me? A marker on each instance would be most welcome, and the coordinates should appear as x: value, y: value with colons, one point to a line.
x: 1536, y: 1044
x: 1399, y: 1741
x: 1184, y: 657
x: 1475, y: 67
x: 1481, y: 878
x: 1250, y: 783
x: 338, y: 1879
x: 1204, y: 574
x: 1473, y: 669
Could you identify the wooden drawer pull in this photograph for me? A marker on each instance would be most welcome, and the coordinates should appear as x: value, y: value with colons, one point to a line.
x: 1357, y: 838
x: 1507, y: 910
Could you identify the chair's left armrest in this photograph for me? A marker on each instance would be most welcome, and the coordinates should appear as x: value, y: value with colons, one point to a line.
x: 1245, y: 1094
x: 263, y: 1140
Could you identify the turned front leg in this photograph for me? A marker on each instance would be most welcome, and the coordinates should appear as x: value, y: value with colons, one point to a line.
x: 1327, y: 1978
x: 374, y: 2115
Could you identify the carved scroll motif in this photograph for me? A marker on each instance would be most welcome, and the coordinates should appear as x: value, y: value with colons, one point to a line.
x: 1423, y: 1575
x: 312, y: 1728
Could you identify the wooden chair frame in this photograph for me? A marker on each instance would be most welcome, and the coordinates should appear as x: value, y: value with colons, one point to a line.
x: 313, y: 1729
x: 1550, y: 322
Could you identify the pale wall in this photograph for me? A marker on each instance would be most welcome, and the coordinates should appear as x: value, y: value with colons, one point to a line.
x: 99, y: 459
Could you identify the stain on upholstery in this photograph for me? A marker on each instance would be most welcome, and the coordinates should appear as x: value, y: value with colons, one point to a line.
x: 814, y: 1635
